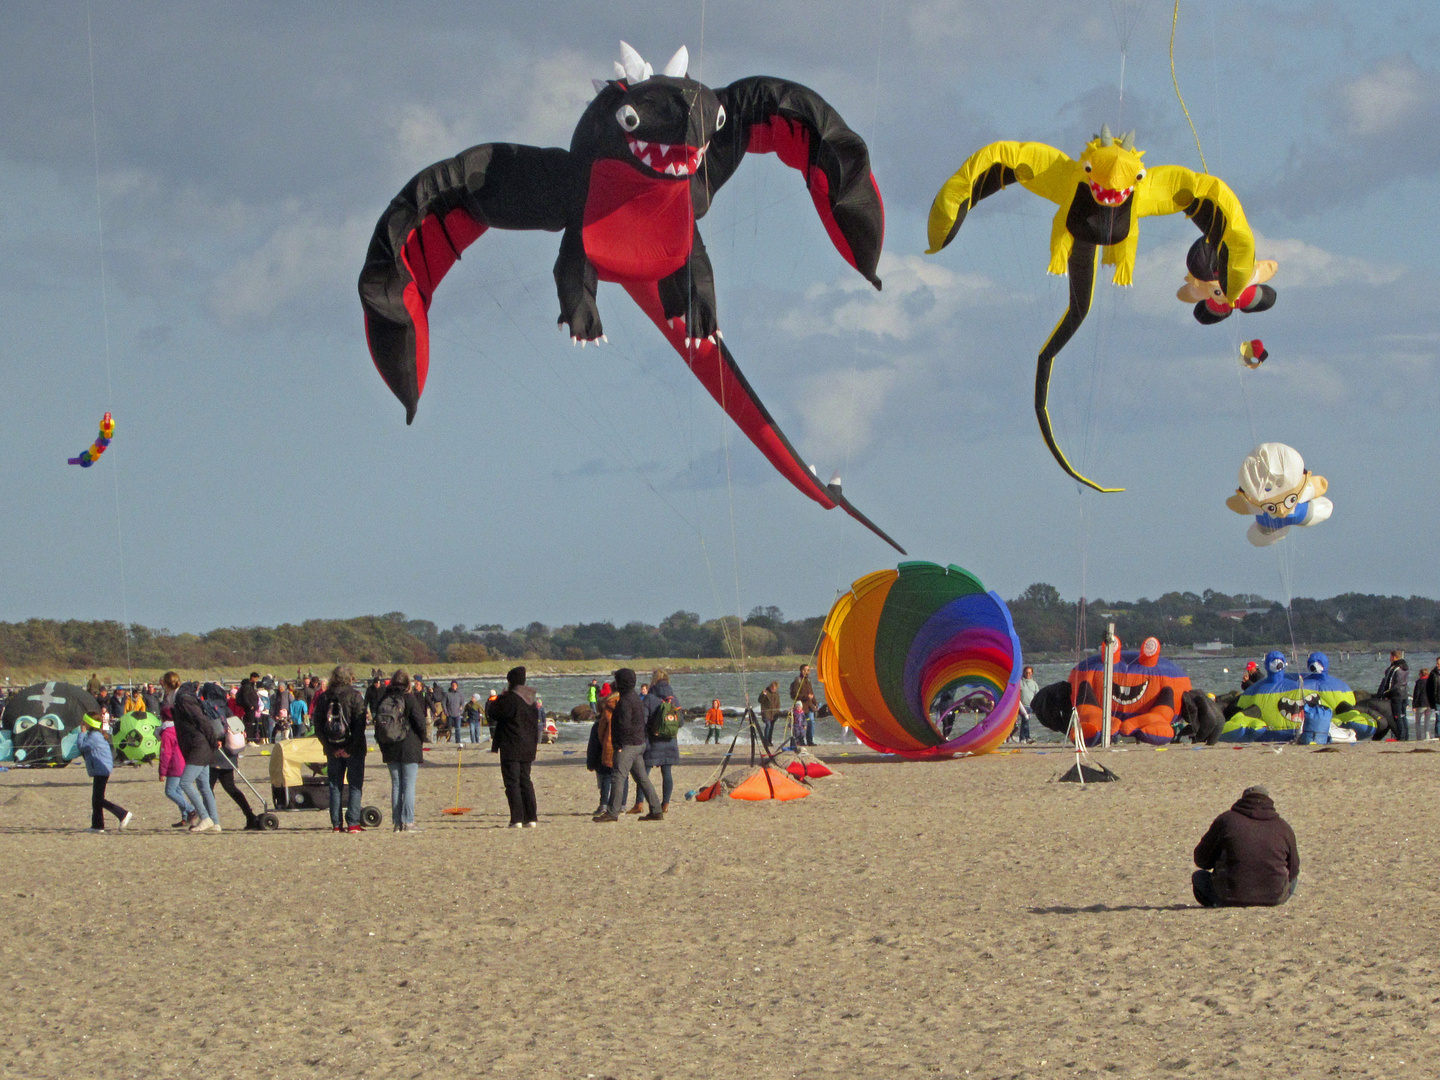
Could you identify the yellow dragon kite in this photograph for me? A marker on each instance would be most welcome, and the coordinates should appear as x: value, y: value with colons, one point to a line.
x: 1100, y: 197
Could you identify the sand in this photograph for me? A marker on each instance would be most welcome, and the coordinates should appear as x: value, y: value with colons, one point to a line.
x: 952, y: 919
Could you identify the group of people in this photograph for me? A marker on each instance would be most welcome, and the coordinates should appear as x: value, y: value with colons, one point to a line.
x: 269, y: 710
x: 1394, y: 687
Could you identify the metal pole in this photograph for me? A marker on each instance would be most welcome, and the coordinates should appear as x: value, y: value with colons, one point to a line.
x: 1109, y: 684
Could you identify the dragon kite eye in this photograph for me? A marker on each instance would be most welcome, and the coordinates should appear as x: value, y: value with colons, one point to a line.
x: 720, y: 118
x: 627, y: 117
x: 1087, y: 166
x: 1140, y: 175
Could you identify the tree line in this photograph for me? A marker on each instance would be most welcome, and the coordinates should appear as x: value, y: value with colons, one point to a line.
x: 1043, y: 620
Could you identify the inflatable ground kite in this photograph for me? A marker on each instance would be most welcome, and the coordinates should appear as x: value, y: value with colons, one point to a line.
x: 137, y: 737
x: 91, y: 454
x: 1146, y: 691
x: 1273, y: 709
x: 901, y: 638
x: 41, y: 724
x: 644, y: 162
x: 1277, y: 489
x: 1102, y: 197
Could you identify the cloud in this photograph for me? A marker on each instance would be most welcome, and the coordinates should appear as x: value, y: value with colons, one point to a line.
x: 839, y: 410
x: 1385, y: 99
x: 297, y: 261
x: 919, y: 295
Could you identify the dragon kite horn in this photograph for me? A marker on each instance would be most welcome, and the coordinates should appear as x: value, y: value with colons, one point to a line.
x: 1106, y: 139
x: 1127, y: 141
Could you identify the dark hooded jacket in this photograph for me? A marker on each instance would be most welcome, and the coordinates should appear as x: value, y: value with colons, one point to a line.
x: 192, y: 727
x: 248, y: 698
x: 1252, y: 851
x: 409, y: 750
x: 660, y: 751
x: 352, y: 705
x: 515, y: 724
x: 627, y: 727
x: 1393, y: 685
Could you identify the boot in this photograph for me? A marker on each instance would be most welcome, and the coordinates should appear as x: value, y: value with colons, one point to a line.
x: 635, y: 809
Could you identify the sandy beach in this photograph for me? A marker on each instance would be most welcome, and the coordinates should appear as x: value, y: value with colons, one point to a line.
x: 967, y: 918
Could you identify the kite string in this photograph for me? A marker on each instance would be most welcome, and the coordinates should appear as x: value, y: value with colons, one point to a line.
x: 105, y: 325
x: 1174, y: 22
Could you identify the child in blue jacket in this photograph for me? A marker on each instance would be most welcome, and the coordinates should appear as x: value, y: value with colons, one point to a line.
x: 94, y: 746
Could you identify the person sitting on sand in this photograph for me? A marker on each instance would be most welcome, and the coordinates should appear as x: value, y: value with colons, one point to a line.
x: 1248, y: 858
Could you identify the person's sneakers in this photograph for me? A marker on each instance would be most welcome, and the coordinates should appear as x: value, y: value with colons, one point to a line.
x: 203, y: 825
x: 602, y: 808
x: 412, y: 827
x: 254, y: 825
x: 635, y: 809
x: 129, y: 817
x: 515, y: 825
x: 95, y: 830
x: 183, y: 823
x: 531, y: 824
x: 654, y: 816
x: 355, y: 828
x: 604, y: 818
x: 337, y: 828
x: 214, y: 827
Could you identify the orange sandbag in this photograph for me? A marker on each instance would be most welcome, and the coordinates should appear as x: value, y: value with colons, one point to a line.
x: 807, y: 768
x: 705, y: 794
x: 769, y: 783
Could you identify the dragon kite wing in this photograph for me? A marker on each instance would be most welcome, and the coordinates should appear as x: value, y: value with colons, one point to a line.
x: 769, y: 115
x: 1212, y: 206
x: 437, y: 215
x: 1038, y: 168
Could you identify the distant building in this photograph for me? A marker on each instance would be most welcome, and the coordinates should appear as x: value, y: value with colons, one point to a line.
x: 1211, y: 646
x: 1239, y: 613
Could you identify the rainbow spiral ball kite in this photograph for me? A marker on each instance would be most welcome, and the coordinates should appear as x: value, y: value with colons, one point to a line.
x: 901, y: 639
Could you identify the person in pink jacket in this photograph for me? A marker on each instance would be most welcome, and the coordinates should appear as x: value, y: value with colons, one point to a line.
x: 172, y: 767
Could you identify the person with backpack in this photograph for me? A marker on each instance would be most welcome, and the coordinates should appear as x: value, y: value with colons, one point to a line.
x: 513, y: 718
x: 339, y: 715
x: 662, y: 728
x: 94, y: 747
x: 227, y: 754
x: 627, y: 735
x: 198, y: 736
x: 400, y: 733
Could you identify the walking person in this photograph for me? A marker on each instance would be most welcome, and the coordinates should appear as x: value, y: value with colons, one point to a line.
x: 453, y: 702
x: 340, y: 726
x: 172, y: 768
x: 247, y: 697
x: 600, y: 751
x: 714, y: 721
x: 513, y: 719
x: 1393, y: 688
x: 197, y: 736
x: 227, y: 754
x: 662, y: 747
x: 94, y: 747
x: 1423, y: 704
x: 401, y: 734
x: 627, y: 733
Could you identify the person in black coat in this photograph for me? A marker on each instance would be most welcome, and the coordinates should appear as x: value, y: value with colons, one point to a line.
x: 197, y: 741
x: 404, y: 757
x: 1248, y: 858
x: 248, y: 698
x: 1393, y: 687
x: 513, y: 717
x: 659, y: 750
x: 344, y: 758
x: 627, y: 735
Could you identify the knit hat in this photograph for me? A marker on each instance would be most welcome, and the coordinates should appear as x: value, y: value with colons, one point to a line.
x: 1256, y: 789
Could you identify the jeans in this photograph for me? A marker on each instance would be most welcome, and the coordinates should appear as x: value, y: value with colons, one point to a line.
x: 667, y: 784
x: 519, y: 792
x: 342, y: 770
x: 402, y: 793
x: 475, y: 732
x: 769, y: 735
x: 99, y: 804
x: 1399, y: 726
x: 809, y: 729
x: 195, y: 786
x: 176, y: 794
x: 630, y: 761
x: 604, y: 778
x: 457, y: 729
x: 1024, y: 723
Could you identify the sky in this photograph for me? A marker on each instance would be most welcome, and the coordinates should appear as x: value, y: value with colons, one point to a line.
x: 237, y: 157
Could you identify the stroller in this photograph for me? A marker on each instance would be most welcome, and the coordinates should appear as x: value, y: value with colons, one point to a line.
x: 298, y: 782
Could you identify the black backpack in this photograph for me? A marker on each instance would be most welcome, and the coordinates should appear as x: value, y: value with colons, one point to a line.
x: 337, y: 724
x: 392, y: 723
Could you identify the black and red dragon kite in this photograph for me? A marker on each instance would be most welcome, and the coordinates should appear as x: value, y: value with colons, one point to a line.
x: 645, y: 160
